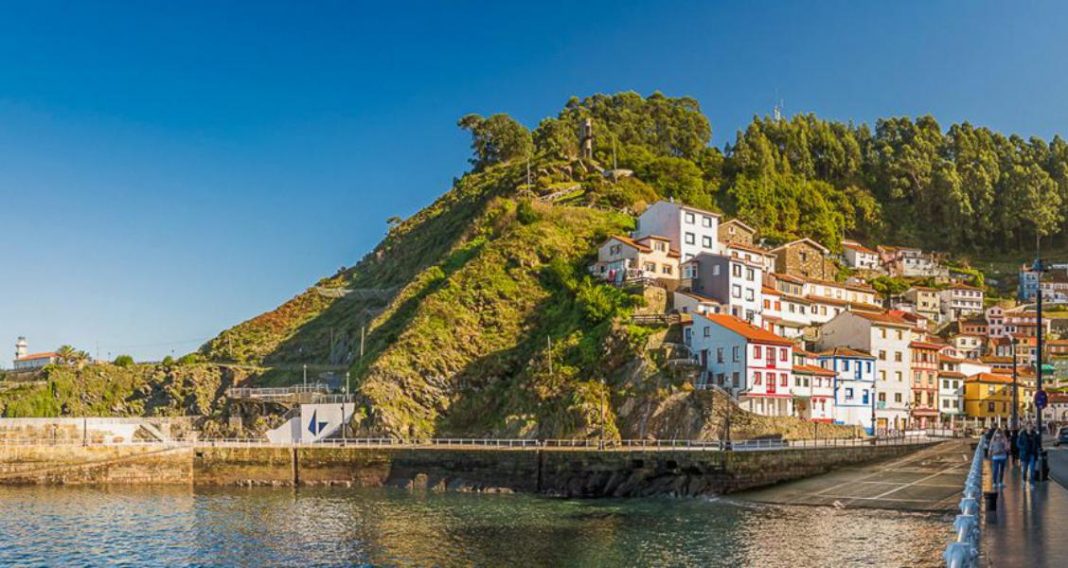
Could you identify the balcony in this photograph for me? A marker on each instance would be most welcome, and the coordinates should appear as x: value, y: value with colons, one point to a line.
x: 880, y: 405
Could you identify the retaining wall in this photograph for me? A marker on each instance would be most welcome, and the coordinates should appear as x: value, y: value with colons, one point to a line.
x: 565, y: 472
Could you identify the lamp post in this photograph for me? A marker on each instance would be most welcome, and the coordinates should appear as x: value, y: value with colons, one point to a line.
x: 874, y: 434
x: 1039, y: 268
x: 603, y: 387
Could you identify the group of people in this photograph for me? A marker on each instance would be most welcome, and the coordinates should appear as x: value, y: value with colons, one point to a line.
x: 1021, y: 446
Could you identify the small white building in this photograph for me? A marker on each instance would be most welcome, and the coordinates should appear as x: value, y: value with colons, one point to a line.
x: 26, y: 361
x: 950, y: 390
x: 960, y: 300
x: 859, y: 257
x: 621, y: 258
x: 691, y: 231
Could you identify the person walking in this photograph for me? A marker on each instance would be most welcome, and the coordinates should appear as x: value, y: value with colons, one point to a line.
x: 999, y: 453
x: 1014, y: 446
x: 1028, y: 453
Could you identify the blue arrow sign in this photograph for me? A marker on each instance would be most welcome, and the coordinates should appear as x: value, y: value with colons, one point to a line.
x: 314, y: 426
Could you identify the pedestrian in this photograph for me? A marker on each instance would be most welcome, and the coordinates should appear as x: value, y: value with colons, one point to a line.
x: 1014, y: 446
x: 1028, y: 453
x: 999, y: 453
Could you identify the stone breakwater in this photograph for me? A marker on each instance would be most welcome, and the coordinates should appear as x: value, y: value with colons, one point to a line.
x: 552, y: 471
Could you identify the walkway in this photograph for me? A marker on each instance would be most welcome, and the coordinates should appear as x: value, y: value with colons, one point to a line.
x: 1028, y: 527
x: 928, y: 480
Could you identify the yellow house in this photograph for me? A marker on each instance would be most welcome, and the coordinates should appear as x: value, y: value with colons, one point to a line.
x: 988, y: 397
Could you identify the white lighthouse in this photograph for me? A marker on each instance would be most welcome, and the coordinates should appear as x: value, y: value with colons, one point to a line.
x: 21, y: 348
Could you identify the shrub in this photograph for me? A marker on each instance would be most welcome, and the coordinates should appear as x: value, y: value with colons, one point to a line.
x: 124, y: 361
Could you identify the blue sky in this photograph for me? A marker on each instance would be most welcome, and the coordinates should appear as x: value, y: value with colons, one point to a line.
x: 168, y: 169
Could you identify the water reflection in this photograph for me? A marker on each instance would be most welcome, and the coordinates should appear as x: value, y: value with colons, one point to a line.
x: 263, y: 527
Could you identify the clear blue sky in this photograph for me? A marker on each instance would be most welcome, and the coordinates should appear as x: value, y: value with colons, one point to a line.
x: 168, y: 169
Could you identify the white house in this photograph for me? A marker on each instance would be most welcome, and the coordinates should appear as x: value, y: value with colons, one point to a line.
x: 854, y: 385
x: 621, y: 258
x: 950, y: 389
x: 26, y: 361
x: 784, y: 315
x: 690, y: 230
x: 733, y: 281
x: 859, y: 257
x: 887, y: 337
x: 959, y: 300
x: 813, y: 389
x: 751, y: 363
x: 691, y: 303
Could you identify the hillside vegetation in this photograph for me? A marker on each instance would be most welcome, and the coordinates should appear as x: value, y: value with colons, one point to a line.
x: 478, y: 317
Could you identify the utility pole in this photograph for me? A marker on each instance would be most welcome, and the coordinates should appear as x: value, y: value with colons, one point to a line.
x: 1015, y: 403
x: 874, y: 435
x: 305, y: 376
x: 363, y: 335
x: 603, y: 388
x: 344, y: 420
x: 549, y: 353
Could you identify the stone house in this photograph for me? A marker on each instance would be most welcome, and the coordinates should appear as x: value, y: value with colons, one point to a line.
x: 735, y: 231
x: 804, y: 258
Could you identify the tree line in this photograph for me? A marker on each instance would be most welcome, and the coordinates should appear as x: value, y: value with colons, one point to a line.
x: 905, y: 181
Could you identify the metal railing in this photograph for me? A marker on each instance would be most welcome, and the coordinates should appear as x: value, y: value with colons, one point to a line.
x: 963, y: 552
x: 578, y: 443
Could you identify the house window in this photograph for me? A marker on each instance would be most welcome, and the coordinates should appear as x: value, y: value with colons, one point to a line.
x: 706, y: 221
x: 897, y: 375
x: 689, y: 218
x: 849, y: 394
x: 845, y: 364
x: 990, y: 407
x: 615, y: 249
x: 897, y: 397
x: 782, y: 354
x: 708, y: 331
x: 756, y: 352
x: 706, y: 242
x: 736, y: 291
x: 783, y: 381
x: 749, y: 294
x: 660, y: 246
x: 897, y: 356
x: 666, y: 269
x: 736, y: 270
x: 690, y: 238
x: 882, y: 375
x: 756, y: 377
x: 735, y: 379
x: 719, y: 354
x: 882, y: 355
x: 735, y: 352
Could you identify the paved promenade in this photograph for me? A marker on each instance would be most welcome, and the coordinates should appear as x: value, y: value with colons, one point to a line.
x: 1029, y: 527
x: 928, y: 480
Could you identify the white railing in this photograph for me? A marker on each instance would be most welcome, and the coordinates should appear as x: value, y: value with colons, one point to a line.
x: 963, y: 552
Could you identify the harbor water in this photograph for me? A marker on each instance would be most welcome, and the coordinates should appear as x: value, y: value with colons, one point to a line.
x: 169, y: 526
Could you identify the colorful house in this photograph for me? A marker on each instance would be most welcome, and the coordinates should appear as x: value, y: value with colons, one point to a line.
x: 925, y: 367
x: 751, y: 363
x: 854, y: 385
x: 888, y: 338
x: 621, y: 258
x: 813, y: 389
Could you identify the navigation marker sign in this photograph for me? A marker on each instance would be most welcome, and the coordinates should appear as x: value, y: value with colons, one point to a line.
x: 314, y: 426
x: 1041, y: 399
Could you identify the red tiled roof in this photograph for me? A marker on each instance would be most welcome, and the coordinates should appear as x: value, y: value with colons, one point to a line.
x: 884, y: 318
x: 813, y: 370
x: 747, y: 330
x: 858, y: 247
x: 926, y: 345
x: 845, y: 352
x: 32, y: 356
x: 631, y: 243
x: 989, y: 378
x: 951, y: 374
x: 740, y: 246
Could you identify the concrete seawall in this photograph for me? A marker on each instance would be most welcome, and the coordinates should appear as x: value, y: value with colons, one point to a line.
x: 555, y: 471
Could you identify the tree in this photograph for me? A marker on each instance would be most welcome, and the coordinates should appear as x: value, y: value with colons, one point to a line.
x: 496, y: 139
x: 124, y: 361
